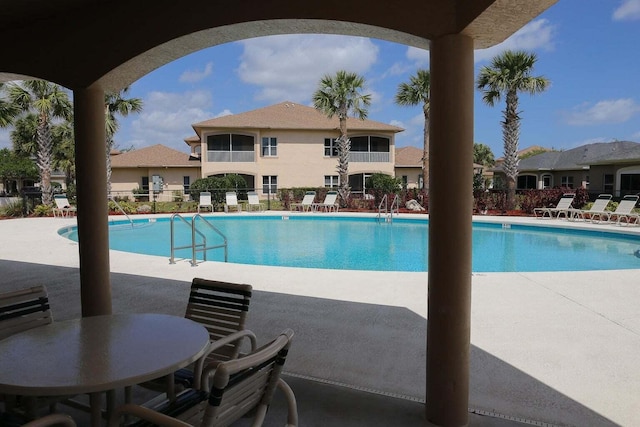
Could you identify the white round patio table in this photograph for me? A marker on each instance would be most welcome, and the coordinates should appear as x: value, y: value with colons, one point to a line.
x: 98, y: 354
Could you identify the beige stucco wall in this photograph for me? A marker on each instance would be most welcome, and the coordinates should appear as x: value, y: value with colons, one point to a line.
x: 300, y: 161
x: 123, y: 180
x: 413, y: 175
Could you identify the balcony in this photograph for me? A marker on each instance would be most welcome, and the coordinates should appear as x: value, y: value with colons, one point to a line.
x: 369, y: 157
x: 231, y: 156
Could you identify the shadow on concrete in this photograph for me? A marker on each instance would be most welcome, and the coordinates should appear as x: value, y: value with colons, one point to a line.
x: 370, y: 358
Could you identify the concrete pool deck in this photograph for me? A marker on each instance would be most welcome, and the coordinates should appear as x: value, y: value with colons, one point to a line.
x: 555, y: 348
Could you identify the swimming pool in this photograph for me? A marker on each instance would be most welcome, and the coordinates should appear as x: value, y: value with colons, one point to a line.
x: 362, y: 243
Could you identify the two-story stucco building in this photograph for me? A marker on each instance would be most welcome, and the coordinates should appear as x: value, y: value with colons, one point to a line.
x: 291, y: 145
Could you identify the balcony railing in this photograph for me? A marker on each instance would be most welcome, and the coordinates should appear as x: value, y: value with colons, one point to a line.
x: 231, y: 156
x: 369, y: 157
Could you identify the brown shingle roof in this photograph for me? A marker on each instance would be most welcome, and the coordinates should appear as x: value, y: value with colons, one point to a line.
x: 409, y: 157
x: 289, y: 115
x: 154, y: 156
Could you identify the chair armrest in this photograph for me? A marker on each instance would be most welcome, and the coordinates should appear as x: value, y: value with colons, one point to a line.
x: 145, y: 414
x: 292, y: 405
x: 236, y: 336
x: 51, y: 420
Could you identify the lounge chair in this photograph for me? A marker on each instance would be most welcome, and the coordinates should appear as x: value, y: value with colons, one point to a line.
x: 232, y: 202
x: 254, y: 202
x: 239, y: 388
x: 205, y: 201
x: 329, y: 204
x: 560, y: 209
x: 597, y: 210
x: 222, y: 308
x: 624, y: 211
x: 63, y: 208
x: 307, y: 202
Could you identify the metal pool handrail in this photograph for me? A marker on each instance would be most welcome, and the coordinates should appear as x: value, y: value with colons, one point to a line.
x: 196, y: 247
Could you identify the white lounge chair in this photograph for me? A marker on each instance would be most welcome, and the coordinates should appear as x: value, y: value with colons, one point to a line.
x: 329, y: 204
x: 254, y: 202
x: 597, y: 210
x: 63, y: 208
x: 560, y: 209
x: 205, y: 201
x: 232, y: 202
x: 307, y: 202
x: 624, y: 211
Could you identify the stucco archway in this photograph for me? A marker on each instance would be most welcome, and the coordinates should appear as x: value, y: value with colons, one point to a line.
x: 96, y: 46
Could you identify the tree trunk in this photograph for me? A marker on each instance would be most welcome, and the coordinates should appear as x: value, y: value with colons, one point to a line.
x: 45, y: 152
x: 511, y: 135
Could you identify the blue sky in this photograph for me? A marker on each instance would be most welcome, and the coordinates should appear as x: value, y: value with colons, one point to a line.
x: 588, y: 49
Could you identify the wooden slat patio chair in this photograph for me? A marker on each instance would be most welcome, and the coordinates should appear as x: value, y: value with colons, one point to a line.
x: 239, y: 388
x: 24, y: 309
x: 222, y: 308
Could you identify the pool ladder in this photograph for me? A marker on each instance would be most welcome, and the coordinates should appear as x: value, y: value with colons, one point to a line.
x: 386, y: 211
x: 194, y: 246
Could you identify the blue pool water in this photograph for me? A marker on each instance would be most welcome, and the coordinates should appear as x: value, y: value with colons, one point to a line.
x: 364, y: 244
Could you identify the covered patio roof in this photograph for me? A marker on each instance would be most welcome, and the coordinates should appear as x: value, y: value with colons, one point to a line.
x: 95, y: 46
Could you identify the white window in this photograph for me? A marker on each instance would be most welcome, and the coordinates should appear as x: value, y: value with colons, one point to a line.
x: 330, y: 147
x: 566, y: 181
x: 547, y: 181
x: 269, y: 147
x: 331, y: 181
x: 269, y: 184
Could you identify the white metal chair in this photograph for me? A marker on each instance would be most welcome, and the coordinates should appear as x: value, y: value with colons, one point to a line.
x: 597, y: 210
x: 232, y: 202
x: 63, y: 208
x: 205, y: 201
x: 254, y: 202
x: 329, y: 204
x: 222, y: 308
x: 240, y: 387
x: 559, y: 210
x: 307, y: 202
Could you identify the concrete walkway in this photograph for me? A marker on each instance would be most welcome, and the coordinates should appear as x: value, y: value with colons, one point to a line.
x: 547, y: 348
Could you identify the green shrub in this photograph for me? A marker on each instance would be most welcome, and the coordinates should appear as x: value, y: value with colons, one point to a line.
x: 13, y: 209
x: 43, y: 210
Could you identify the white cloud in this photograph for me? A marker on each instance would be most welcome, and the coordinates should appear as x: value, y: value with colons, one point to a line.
x: 629, y: 10
x: 225, y: 112
x: 167, y: 117
x: 420, y: 57
x: 609, y: 111
x: 289, y: 67
x: 535, y: 35
x: 194, y: 76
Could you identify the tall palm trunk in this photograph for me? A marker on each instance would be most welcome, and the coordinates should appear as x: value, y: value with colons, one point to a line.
x: 109, y: 145
x: 511, y: 135
x: 344, y: 148
x: 43, y: 158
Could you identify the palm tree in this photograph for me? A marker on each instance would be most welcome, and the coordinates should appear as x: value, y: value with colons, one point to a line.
x: 49, y: 101
x: 116, y: 104
x: 413, y: 93
x: 340, y: 95
x: 508, y: 74
x: 8, y: 110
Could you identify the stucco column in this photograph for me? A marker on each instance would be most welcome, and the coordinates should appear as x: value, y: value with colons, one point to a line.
x: 450, y: 216
x: 93, y: 220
